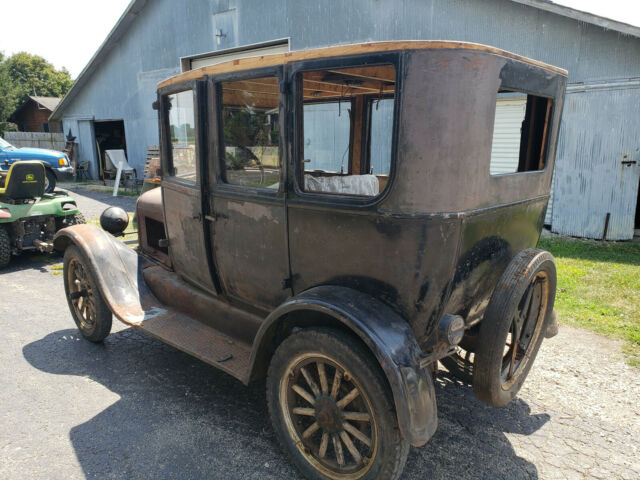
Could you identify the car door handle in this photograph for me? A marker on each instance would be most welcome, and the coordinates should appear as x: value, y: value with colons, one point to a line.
x: 197, y: 217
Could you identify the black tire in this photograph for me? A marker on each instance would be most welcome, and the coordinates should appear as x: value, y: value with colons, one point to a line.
x: 524, y: 294
x: 51, y: 180
x: 5, y: 247
x: 75, y: 219
x: 337, y: 351
x: 94, y: 320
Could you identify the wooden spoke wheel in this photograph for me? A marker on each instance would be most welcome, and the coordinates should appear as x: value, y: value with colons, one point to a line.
x: 526, y: 328
x: 330, y: 414
x: 512, y: 329
x: 332, y: 409
x: 89, y: 310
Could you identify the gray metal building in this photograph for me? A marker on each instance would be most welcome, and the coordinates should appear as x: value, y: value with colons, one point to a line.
x: 597, y: 171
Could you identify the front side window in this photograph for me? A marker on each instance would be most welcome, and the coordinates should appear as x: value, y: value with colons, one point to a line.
x: 182, y: 132
x: 250, y: 132
x: 347, y: 129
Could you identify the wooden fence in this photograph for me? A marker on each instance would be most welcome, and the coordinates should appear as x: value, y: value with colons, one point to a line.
x: 53, y: 141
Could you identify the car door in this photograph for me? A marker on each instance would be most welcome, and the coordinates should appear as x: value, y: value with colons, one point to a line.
x: 183, y: 137
x: 247, y: 200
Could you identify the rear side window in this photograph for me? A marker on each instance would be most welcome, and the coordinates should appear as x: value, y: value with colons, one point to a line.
x: 347, y: 129
x: 250, y: 132
x: 182, y: 130
x: 520, y: 133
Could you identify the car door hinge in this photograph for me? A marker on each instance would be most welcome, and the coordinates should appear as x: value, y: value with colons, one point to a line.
x: 287, y: 283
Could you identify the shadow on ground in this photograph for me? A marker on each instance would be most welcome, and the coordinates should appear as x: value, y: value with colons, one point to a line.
x: 32, y: 260
x: 180, y: 418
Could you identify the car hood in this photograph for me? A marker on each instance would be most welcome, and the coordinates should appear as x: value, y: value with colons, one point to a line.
x: 35, y: 153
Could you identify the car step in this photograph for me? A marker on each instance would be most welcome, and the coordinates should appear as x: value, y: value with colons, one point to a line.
x: 201, y: 341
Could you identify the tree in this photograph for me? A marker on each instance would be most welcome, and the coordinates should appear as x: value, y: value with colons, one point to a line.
x: 8, y: 99
x: 33, y: 75
x: 24, y: 74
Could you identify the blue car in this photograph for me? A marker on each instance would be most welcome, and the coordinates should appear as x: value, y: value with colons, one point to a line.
x: 57, y: 165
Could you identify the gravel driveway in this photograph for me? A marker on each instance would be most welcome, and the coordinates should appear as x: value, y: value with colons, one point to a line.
x: 135, y: 408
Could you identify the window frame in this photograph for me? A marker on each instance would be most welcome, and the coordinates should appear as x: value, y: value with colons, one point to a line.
x: 544, y: 147
x: 166, y: 161
x: 297, y: 167
x: 216, y: 81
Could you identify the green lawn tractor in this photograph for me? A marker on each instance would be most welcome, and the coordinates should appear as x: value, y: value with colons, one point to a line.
x: 29, y: 218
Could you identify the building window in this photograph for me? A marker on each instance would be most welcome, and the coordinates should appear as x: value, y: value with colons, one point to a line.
x: 519, y: 133
x: 251, y: 132
x: 182, y: 132
x: 347, y: 130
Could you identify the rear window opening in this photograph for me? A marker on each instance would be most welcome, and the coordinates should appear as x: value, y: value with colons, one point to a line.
x: 347, y: 127
x: 520, y: 133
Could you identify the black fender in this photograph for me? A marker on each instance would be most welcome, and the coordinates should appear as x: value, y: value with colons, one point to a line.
x: 116, y: 268
x: 386, y: 334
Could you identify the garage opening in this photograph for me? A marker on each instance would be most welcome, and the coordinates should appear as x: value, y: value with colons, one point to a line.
x: 109, y: 136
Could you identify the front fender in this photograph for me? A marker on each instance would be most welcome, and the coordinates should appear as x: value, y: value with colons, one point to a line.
x: 116, y: 268
x: 386, y: 334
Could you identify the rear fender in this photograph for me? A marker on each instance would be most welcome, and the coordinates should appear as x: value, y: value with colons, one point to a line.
x: 386, y: 334
x: 117, y: 268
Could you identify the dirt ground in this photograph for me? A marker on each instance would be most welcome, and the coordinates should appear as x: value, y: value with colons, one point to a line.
x: 136, y: 408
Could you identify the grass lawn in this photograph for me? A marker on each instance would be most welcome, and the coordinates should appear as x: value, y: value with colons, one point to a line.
x: 599, y: 288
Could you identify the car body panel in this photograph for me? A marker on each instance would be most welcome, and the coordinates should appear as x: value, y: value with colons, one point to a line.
x: 387, y: 268
x: 50, y: 158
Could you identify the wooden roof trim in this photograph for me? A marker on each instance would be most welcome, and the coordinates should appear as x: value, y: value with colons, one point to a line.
x: 343, y: 50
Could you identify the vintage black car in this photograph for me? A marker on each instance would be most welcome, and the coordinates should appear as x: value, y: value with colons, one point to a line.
x: 340, y: 220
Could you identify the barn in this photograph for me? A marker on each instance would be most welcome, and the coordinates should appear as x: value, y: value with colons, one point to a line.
x: 596, y: 182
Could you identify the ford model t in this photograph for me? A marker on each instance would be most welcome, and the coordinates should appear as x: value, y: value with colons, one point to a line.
x: 339, y: 220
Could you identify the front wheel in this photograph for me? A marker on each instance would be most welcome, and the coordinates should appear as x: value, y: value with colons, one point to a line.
x: 332, y: 408
x: 88, y: 307
x: 50, y: 181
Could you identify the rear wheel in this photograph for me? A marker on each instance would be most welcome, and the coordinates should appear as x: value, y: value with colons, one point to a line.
x: 89, y: 310
x: 50, y: 181
x: 75, y: 219
x: 513, y: 326
x: 5, y: 247
x: 332, y: 409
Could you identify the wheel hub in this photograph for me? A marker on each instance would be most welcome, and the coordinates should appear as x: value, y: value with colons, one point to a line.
x: 328, y: 415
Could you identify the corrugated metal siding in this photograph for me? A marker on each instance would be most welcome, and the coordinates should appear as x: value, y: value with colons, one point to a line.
x: 121, y: 87
x: 599, y: 127
x: 507, y: 132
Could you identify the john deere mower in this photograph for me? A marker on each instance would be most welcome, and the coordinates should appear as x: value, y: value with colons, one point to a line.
x: 29, y: 218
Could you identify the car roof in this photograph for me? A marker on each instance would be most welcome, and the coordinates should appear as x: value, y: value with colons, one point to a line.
x: 344, y: 50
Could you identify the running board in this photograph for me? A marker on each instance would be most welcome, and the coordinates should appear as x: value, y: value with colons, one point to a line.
x: 200, y: 341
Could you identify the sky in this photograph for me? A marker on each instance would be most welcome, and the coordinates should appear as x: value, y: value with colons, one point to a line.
x: 68, y: 32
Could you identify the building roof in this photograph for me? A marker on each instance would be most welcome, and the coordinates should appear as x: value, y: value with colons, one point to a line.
x: 136, y: 6
x: 47, y: 103
x: 50, y: 103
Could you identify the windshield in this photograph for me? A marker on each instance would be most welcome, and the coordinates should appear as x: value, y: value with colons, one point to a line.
x: 4, y: 145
